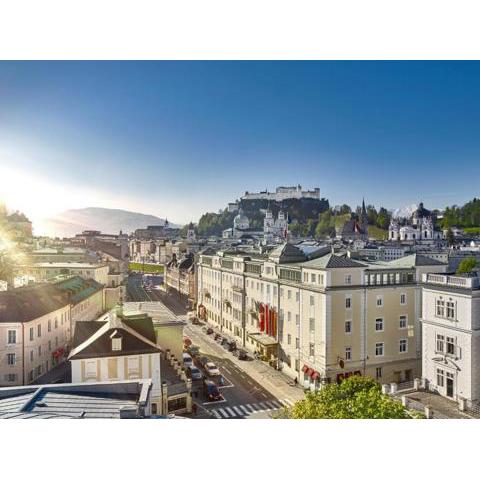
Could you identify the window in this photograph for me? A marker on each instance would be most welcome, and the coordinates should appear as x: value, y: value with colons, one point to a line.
x: 348, y: 326
x: 49, y: 325
x: 39, y: 350
x: 289, y: 294
x: 297, y: 296
x: 348, y: 279
x: 31, y: 334
x: 348, y: 302
x: 312, y: 325
x: 440, y: 343
x: 440, y: 307
x: 379, y: 324
x: 320, y: 279
x: 10, y: 377
x: 312, y: 300
x: 91, y: 368
x: 402, y: 323
x: 289, y: 316
x: 49, y: 345
x: 379, y: 301
x: 297, y: 319
x: 281, y: 292
x: 403, y: 346
x: 39, y: 330
x: 116, y: 344
x: 450, y: 346
x: 312, y: 349
x: 31, y: 355
x: 450, y: 309
x: 378, y: 373
x: 289, y: 339
x: 403, y: 299
x: 379, y: 349
x: 12, y: 337
x: 11, y: 359
x: 348, y: 353
x: 313, y: 278
x: 133, y: 365
x: 297, y: 365
x: 297, y: 343
x: 440, y: 377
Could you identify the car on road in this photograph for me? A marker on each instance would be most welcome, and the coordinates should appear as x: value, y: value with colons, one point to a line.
x: 217, y: 336
x: 187, y: 360
x: 194, y: 373
x: 241, y: 354
x: 202, y: 361
x: 209, y: 331
x: 212, y: 370
x: 223, y: 341
x: 232, y: 346
x: 193, y: 350
x: 211, y: 391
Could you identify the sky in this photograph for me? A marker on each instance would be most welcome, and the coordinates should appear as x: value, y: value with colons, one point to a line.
x: 178, y: 139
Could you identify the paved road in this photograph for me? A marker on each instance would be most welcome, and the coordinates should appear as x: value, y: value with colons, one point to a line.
x: 243, y: 396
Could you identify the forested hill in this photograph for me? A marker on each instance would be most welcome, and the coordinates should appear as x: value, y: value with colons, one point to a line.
x: 299, y: 211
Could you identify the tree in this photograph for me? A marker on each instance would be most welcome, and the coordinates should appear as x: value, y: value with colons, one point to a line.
x: 450, y: 237
x: 355, y: 397
x: 383, y: 218
x: 467, y: 265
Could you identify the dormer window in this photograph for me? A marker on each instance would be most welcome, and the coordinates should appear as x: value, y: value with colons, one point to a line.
x: 116, y: 344
x: 116, y: 341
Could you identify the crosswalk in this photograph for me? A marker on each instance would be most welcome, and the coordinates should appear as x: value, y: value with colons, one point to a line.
x: 248, y: 409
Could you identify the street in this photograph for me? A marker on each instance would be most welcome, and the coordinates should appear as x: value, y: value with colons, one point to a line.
x: 244, y: 397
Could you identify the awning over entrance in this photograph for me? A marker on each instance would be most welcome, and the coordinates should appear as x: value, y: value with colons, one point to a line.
x: 263, y: 339
x: 305, y: 368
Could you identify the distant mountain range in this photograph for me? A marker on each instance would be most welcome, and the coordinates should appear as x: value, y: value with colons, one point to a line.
x: 404, y: 212
x: 107, y: 220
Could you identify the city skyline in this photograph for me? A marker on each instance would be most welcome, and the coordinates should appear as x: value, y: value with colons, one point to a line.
x: 80, y: 134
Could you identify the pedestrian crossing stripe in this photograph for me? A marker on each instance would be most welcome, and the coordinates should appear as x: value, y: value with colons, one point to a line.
x: 249, y: 408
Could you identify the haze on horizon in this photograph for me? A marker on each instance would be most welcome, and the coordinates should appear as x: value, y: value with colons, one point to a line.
x: 177, y: 139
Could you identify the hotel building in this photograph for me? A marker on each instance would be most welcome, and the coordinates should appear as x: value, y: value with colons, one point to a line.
x: 320, y: 317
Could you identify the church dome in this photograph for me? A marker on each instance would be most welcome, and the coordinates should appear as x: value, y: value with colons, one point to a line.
x: 241, y: 221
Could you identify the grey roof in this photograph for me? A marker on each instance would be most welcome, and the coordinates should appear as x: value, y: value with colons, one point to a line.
x: 332, y: 261
x: 74, y: 400
x: 287, y: 253
x: 28, y: 303
x: 414, y: 260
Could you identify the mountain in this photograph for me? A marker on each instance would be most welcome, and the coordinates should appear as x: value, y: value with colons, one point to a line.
x: 404, y: 212
x: 107, y: 220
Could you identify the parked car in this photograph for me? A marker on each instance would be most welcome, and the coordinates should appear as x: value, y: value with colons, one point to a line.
x: 217, y: 336
x: 241, y: 354
x: 195, y: 321
x: 204, y: 329
x: 194, y: 373
x: 232, y: 346
x: 193, y: 350
x: 212, y: 370
x: 187, y: 360
x: 211, y: 391
x: 202, y: 361
x: 209, y: 331
x: 224, y: 341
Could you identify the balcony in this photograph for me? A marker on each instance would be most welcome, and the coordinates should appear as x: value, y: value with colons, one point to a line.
x: 452, y: 280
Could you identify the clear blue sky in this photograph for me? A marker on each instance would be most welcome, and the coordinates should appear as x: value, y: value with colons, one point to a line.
x: 177, y: 139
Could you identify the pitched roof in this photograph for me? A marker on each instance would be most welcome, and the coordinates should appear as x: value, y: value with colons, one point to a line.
x: 93, y: 339
x: 287, y: 253
x: 332, y: 261
x: 78, y: 288
x: 27, y: 303
x: 415, y: 260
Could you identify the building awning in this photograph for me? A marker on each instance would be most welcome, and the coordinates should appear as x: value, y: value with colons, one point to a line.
x: 315, y: 375
x: 305, y: 368
x: 263, y: 339
x: 309, y: 372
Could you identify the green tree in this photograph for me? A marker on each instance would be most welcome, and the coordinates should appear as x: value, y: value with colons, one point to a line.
x: 355, y: 397
x: 383, y: 218
x: 467, y: 265
x: 450, y: 237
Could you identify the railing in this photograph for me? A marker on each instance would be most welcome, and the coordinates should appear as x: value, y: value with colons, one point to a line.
x: 405, y: 386
x: 451, y: 280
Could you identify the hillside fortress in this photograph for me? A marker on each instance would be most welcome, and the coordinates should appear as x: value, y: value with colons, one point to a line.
x: 283, y: 193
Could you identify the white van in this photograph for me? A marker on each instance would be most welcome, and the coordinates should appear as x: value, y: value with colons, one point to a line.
x: 187, y: 360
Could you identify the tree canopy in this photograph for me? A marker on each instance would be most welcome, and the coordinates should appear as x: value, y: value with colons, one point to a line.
x: 467, y: 265
x: 355, y: 397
